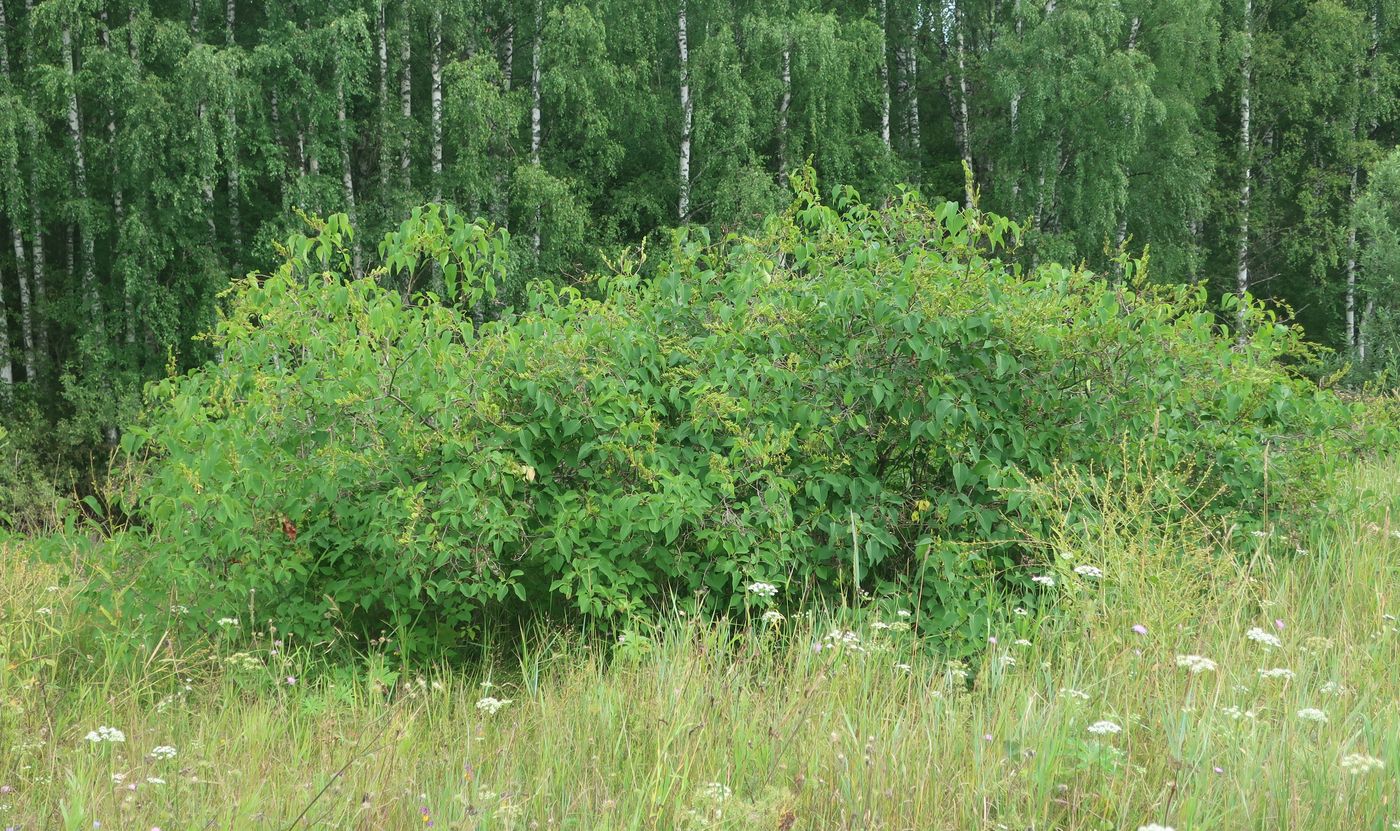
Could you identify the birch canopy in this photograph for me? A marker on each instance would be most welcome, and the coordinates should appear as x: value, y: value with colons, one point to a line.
x: 152, y: 151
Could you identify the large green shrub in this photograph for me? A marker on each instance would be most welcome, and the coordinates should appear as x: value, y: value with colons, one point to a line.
x: 853, y: 399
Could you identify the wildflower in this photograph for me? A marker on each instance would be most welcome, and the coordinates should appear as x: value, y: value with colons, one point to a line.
x: 1088, y: 571
x: 44, y: 610
x: 1070, y: 693
x: 228, y: 621
x: 1358, y: 764
x: 1007, y: 661
x: 179, y: 609
x: 490, y: 705
x: 1021, y: 642
x: 772, y: 617
x: 843, y: 638
x: 1260, y: 636
x: 1312, y: 714
x: 1277, y: 672
x: 879, y: 625
x: 1021, y: 612
x: 1043, y: 579
x: 992, y: 640
x: 1259, y: 535
x: 1152, y: 826
x: 903, y: 667
x: 1196, y: 663
x: 165, y: 751
x: 986, y: 737
x: 1333, y: 688
x: 1278, y: 624
x: 763, y: 589
x: 105, y: 734
x: 1236, y: 713
x: 904, y: 613
x: 1104, y: 728
x: 715, y: 792
x: 1139, y: 628
x: 291, y: 680
x: 154, y: 780
x: 118, y: 778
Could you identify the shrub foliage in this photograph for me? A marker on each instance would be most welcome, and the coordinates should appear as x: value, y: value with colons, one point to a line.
x: 855, y: 399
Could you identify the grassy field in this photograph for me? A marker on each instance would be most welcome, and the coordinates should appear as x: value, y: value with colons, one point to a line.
x: 1181, y: 689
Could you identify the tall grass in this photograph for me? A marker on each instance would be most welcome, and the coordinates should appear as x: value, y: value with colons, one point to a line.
x: 750, y: 726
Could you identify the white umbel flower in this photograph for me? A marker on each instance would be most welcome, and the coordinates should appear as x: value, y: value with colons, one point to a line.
x: 1104, y: 728
x: 1260, y: 636
x: 1312, y: 714
x: 1277, y: 672
x: 1196, y: 663
x: 1359, y: 764
x: 1088, y: 571
x: 763, y: 589
x: 105, y: 734
x: 491, y: 705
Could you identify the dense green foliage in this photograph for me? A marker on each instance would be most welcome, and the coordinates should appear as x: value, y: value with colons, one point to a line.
x: 851, y: 400
x: 151, y: 150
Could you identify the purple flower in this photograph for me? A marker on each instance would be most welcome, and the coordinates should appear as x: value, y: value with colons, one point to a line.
x: 1139, y: 628
x: 987, y: 737
x: 291, y: 679
x: 1278, y: 624
x: 992, y: 639
x: 1219, y: 769
x: 6, y: 789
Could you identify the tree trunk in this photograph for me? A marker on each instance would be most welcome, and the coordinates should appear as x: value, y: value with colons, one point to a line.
x: 194, y: 19
x: 233, y: 173
x: 784, y: 105
x: 406, y: 100
x: 1352, y: 340
x: 382, y: 50
x: 75, y: 134
x: 687, y: 111
x: 535, y: 136
x: 1363, y: 330
x: 910, y: 83
x: 884, y: 75
x: 964, y: 123
x: 16, y: 237
x: 7, y: 371
x: 347, y: 174
x: 436, y: 115
x: 1246, y: 141
x: 1121, y: 237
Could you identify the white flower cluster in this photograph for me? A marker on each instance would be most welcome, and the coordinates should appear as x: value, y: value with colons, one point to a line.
x: 491, y: 705
x: 772, y: 617
x: 763, y: 589
x: 1152, y: 826
x: 1260, y: 636
x: 228, y: 621
x: 1196, y: 663
x: 1043, y: 579
x: 1359, y: 764
x: 715, y: 792
x: 1277, y: 672
x: 105, y: 734
x: 1333, y: 688
x: 1312, y: 714
x: 1104, y: 728
x: 1236, y: 713
x: 165, y: 751
x: 1088, y: 571
x: 839, y: 638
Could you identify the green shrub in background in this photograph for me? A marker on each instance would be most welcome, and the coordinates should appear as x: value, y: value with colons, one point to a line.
x: 855, y: 399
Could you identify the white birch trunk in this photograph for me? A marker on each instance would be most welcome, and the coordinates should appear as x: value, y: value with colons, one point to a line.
x: 406, y: 101
x: 964, y: 125
x: 535, y: 135
x: 911, y: 84
x: 1246, y: 142
x: 884, y: 75
x: 382, y: 51
x: 783, y: 106
x: 26, y: 313
x: 688, y: 111
x: 1352, y: 340
x: 1361, y: 336
x: 347, y: 174
x: 75, y: 134
x: 436, y: 114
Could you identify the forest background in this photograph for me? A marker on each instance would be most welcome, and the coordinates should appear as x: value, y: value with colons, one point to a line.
x: 152, y: 151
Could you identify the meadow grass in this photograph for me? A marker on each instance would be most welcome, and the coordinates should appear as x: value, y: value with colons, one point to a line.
x: 1140, y: 700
